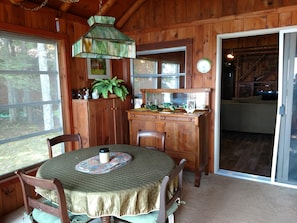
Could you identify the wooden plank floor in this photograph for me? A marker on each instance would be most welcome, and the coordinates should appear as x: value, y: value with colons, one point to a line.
x: 246, y: 152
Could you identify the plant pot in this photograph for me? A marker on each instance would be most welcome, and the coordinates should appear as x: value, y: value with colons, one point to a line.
x: 112, y: 96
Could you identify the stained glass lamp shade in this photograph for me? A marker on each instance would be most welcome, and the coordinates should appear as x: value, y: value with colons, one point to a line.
x: 104, y: 41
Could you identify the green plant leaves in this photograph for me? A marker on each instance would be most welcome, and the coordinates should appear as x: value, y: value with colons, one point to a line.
x: 112, y: 86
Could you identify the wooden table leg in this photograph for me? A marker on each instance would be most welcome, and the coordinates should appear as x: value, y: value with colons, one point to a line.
x: 197, y: 179
x: 105, y: 219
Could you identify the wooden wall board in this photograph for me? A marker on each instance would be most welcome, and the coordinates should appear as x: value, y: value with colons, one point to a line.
x: 148, y: 25
x: 285, y: 18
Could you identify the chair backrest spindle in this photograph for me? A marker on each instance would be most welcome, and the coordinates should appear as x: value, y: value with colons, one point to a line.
x: 63, y: 139
x: 28, y: 184
x: 158, y: 136
x: 165, y: 203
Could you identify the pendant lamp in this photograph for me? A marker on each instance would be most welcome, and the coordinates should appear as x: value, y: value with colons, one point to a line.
x: 104, y: 41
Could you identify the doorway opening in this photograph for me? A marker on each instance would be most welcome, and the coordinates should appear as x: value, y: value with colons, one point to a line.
x: 284, y: 164
x: 247, y: 104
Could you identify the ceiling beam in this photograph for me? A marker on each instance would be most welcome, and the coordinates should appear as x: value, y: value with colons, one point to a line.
x: 130, y: 12
x: 16, y: 2
x: 105, y: 7
x: 65, y: 6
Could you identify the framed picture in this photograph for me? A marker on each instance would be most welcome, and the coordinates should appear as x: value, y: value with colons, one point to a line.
x: 98, y: 68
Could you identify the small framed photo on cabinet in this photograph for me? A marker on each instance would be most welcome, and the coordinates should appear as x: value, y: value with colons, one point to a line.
x: 98, y: 68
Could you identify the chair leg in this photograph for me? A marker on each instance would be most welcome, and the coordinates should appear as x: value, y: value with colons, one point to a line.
x: 117, y: 220
x: 171, y: 218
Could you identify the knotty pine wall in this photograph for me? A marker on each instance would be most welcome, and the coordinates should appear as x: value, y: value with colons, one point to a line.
x: 42, y: 23
x: 204, y: 34
x: 155, y: 21
x: 73, y: 71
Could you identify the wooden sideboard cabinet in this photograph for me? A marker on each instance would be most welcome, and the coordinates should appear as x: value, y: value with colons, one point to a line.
x: 101, y: 121
x: 186, y: 136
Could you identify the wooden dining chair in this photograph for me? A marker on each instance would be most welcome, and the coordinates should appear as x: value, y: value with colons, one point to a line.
x: 160, y: 136
x: 167, y: 206
x: 44, y: 211
x: 63, y: 139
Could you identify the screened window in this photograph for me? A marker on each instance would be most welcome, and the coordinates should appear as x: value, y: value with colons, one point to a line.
x: 155, y: 71
x: 30, y: 102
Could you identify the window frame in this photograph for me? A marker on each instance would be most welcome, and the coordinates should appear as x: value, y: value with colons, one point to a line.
x: 64, y: 77
x: 165, y: 47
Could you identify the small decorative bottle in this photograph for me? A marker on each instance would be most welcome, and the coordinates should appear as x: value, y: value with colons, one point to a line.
x: 104, y: 155
x: 95, y: 94
x: 87, y: 94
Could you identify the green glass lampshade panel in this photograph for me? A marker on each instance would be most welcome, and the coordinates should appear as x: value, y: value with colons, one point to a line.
x: 104, y: 41
x: 101, y: 20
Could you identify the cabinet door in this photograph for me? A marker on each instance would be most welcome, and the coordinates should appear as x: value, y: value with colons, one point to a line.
x: 81, y: 120
x: 140, y: 125
x: 101, y: 122
x: 182, y: 141
x: 109, y: 122
x: 120, y: 120
x: 140, y: 122
x: 181, y: 136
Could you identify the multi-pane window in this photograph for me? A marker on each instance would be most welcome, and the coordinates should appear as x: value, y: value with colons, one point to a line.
x: 30, y: 102
x: 154, y: 74
x: 171, y: 75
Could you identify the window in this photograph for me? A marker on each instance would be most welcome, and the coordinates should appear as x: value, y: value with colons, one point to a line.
x: 30, y: 103
x: 154, y: 71
x: 171, y: 80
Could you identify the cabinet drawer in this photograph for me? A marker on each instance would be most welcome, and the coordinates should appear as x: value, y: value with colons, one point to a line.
x: 192, y: 119
x: 143, y: 116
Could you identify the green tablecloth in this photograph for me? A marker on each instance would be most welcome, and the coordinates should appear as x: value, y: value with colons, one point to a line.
x: 130, y: 190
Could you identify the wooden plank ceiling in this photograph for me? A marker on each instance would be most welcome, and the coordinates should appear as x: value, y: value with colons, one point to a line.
x: 120, y: 9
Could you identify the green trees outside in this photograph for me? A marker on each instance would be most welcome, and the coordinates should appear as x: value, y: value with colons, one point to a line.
x: 30, y: 105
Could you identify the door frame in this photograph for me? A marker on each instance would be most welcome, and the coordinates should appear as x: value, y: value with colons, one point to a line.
x: 282, y: 101
x: 217, y: 127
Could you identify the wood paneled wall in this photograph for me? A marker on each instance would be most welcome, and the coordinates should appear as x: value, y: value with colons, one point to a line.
x: 204, y: 34
x: 160, y: 13
x: 155, y: 21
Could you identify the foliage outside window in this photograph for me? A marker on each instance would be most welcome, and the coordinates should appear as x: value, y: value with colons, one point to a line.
x: 30, y: 104
x: 154, y: 74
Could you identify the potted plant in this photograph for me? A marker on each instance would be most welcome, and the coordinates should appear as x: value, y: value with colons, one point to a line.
x: 105, y: 87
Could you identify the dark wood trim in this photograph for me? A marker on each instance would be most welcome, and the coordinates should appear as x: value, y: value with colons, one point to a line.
x: 30, y: 31
x: 11, y: 177
x: 188, y: 43
x: 64, y: 66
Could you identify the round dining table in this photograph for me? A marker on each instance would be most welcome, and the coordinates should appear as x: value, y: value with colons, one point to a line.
x: 129, y: 189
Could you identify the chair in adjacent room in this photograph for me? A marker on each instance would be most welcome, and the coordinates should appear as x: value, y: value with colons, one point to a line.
x: 42, y: 210
x: 63, y: 139
x: 167, y: 205
x: 160, y: 136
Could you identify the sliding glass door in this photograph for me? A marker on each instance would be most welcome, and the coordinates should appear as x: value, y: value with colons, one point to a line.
x: 285, y: 157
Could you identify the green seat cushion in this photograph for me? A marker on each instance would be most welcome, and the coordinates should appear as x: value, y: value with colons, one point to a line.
x: 44, y: 217
x: 150, y: 217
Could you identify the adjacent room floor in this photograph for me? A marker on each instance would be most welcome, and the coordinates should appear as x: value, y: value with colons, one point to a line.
x: 246, y: 152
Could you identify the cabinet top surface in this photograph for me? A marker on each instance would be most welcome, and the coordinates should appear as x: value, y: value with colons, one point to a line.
x: 145, y: 112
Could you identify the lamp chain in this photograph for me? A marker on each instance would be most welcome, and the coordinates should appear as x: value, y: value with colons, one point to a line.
x: 43, y: 4
x: 69, y: 1
x: 35, y: 8
x: 100, y: 7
